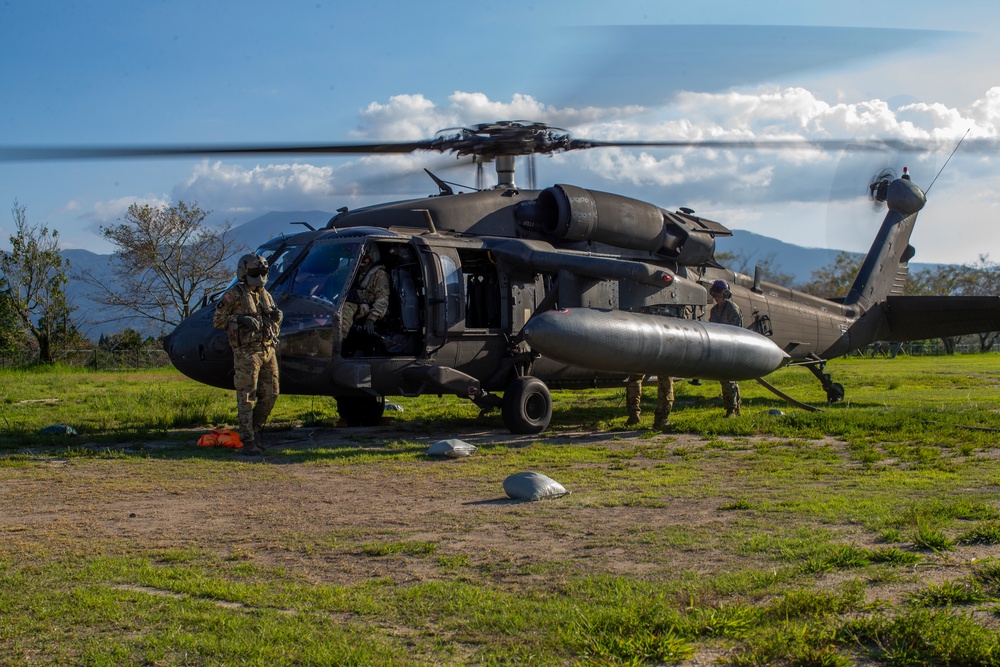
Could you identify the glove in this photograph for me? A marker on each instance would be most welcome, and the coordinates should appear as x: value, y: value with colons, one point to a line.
x: 369, y: 326
x: 274, y: 315
x: 249, y: 321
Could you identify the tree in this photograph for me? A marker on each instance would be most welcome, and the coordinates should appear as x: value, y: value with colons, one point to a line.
x: 770, y: 270
x: 166, y: 260
x: 11, y: 332
x: 129, y: 339
x: 835, y: 278
x: 32, y: 278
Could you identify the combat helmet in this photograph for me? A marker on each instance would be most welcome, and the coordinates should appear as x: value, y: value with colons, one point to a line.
x: 252, y: 270
x: 720, y: 287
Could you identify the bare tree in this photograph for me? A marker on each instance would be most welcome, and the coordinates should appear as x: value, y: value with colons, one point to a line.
x: 166, y: 260
x: 32, y: 279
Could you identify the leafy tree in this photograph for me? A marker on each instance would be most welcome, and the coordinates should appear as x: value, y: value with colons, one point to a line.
x: 166, y: 260
x: 11, y: 332
x: 835, y: 278
x: 32, y: 278
x: 129, y: 339
x: 769, y: 268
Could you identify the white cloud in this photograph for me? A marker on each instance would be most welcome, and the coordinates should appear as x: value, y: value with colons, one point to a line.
x: 107, y: 212
x: 769, y: 191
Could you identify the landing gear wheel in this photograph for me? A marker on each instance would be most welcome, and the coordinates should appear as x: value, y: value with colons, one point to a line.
x: 835, y: 392
x: 527, y: 406
x: 361, y: 410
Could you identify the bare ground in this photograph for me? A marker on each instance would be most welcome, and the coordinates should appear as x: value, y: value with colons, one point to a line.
x: 318, y: 522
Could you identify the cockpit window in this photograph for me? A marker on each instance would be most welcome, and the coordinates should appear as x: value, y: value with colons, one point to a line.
x: 279, y: 260
x: 324, y: 271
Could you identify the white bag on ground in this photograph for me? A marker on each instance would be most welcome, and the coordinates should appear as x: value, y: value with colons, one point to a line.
x: 532, y: 486
x: 452, y: 448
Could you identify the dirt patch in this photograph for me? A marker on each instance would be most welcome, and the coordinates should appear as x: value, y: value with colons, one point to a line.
x: 330, y: 521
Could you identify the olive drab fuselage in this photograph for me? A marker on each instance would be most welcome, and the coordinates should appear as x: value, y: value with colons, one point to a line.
x: 468, y: 272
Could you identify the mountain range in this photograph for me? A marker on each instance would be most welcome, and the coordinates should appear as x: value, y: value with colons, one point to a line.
x: 746, y: 247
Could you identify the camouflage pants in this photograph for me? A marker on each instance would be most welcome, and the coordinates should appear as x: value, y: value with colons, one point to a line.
x: 664, y: 397
x: 256, y: 383
x: 350, y: 310
x: 731, y: 396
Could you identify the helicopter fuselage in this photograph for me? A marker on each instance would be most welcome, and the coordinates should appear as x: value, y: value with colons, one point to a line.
x: 469, y: 272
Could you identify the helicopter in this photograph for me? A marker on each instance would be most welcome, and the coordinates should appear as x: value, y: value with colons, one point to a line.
x: 501, y: 294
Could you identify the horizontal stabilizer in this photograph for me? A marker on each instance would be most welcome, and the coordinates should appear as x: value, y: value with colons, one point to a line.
x: 923, y: 317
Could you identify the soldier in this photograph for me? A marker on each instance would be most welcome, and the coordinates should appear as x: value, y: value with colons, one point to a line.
x: 664, y: 400
x: 664, y: 383
x: 248, y: 315
x: 369, y: 301
x: 725, y: 311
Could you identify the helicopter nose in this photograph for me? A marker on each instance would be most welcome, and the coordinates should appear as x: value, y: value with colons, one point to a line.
x: 200, y: 351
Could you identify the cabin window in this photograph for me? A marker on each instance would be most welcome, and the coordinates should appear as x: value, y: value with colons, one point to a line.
x: 453, y: 291
x: 482, y: 290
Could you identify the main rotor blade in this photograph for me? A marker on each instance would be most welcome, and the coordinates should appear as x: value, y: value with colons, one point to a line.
x: 486, y: 147
x: 980, y: 145
x: 30, y: 153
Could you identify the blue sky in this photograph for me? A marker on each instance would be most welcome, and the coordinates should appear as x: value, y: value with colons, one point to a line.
x: 182, y: 72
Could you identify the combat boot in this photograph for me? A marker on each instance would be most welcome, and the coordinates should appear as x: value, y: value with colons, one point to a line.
x: 252, y: 447
x: 660, y: 423
x: 258, y: 438
x: 632, y: 420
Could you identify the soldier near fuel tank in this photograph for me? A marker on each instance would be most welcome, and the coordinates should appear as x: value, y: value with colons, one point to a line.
x: 725, y: 311
x: 664, y: 384
x: 248, y: 315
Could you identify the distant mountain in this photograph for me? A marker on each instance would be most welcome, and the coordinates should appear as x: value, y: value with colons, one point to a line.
x: 91, y: 317
x: 259, y: 230
x: 748, y: 248
x: 798, y: 261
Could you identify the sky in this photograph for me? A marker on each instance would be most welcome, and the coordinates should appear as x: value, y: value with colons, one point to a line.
x: 180, y: 72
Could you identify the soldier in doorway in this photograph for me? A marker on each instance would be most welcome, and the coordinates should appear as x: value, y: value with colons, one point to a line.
x: 368, y: 302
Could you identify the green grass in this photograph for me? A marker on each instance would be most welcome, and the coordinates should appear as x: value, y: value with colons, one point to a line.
x: 858, y: 532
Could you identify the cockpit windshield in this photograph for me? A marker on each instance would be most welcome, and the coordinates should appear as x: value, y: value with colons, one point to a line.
x: 324, y: 271
x: 278, y: 260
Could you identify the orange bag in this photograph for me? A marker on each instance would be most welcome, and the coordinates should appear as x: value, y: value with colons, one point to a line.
x: 225, y: 438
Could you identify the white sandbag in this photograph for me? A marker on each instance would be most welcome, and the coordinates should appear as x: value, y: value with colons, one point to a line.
x: 451, y: 448
x: 532, y: 486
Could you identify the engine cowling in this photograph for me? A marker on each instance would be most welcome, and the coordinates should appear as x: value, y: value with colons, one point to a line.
x: 569, y: 213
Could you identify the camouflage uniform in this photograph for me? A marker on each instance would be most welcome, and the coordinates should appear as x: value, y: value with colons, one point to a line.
x: 370, y: 301
x: 664, y: 399
x: 729, y: 313
x: 254, y: 360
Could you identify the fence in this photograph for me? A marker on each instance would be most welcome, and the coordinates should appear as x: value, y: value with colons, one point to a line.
x: 95, y: 359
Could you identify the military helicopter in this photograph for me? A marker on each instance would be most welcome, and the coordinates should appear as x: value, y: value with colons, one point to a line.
x: 500, y: 294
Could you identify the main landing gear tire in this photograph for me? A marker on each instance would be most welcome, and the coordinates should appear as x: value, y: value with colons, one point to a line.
x: 527, y: 406
x: 361, y: 410
x: 835, y: 393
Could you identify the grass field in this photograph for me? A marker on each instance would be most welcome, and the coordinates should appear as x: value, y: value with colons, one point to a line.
x: 865, y: 533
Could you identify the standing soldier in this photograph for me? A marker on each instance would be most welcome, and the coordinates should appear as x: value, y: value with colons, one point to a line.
x: 725, y: 311
x: 368, y: 302
x: 248, y: 315
x: 664, y: 400
x: 664, y: 383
